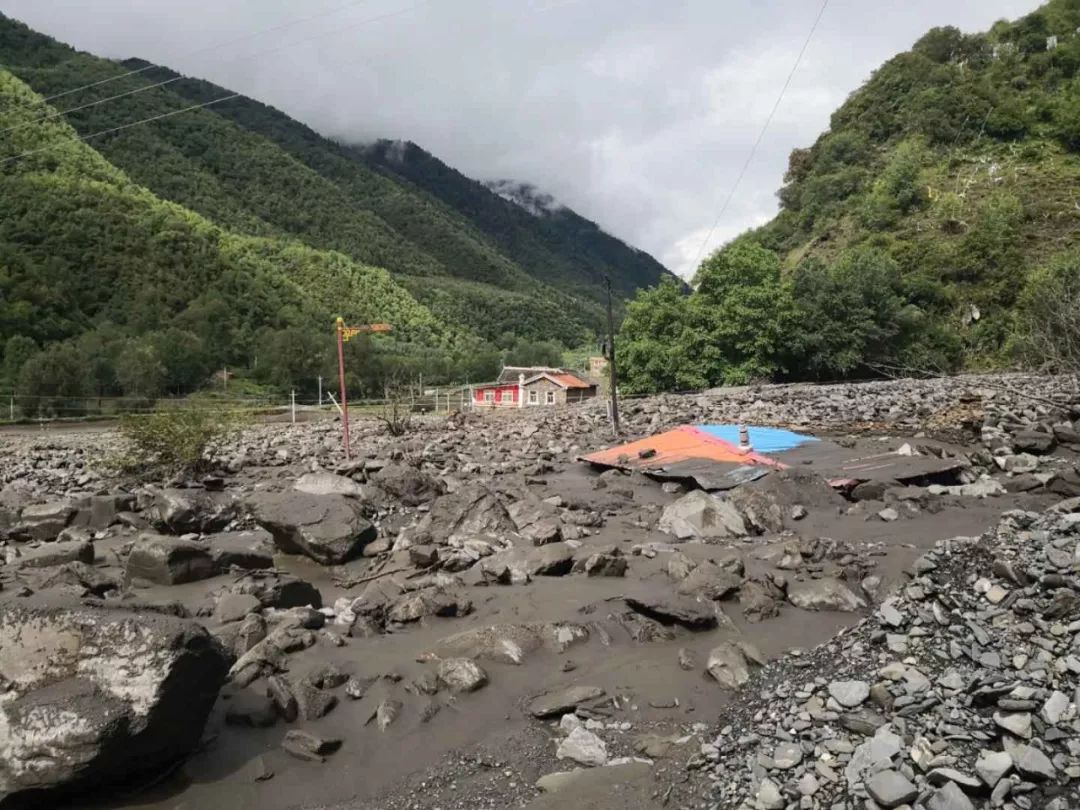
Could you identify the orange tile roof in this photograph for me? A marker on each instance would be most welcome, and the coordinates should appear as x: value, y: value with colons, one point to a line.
x: 569, y: 381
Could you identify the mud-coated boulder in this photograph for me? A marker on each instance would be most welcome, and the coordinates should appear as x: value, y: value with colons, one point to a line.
x: 167, y: 560
x: 701, y: 516
x: 98, y: 697
x: 470, y: 512
x: 43, y: 521
x: 408, y: 485
x: 330, y: 529
x: 180, y: 511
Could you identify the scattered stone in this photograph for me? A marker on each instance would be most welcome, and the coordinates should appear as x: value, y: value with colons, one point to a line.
x: 461, y: 675
x: 583, y: 747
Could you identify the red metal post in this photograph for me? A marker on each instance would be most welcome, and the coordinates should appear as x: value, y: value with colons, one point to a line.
x: 341, y: 380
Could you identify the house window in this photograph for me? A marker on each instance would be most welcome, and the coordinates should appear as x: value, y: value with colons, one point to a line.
x: 550, y: 397
x: 533, y: 398
x: 489, y: 396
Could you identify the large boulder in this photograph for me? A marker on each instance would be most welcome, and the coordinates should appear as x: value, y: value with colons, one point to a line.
x: 470, y: 512
x: 330, y: 529
x: 252, y: 550
x: 518, y: 565
x: 167, y: 560
x: 49, y: 554
x: 408, y: 485
x: 97, y: 697
x: 328, y: 483
x: 824, y: 594
x: 182, y: 511
x: 43, y: 521
x: 701, y: 516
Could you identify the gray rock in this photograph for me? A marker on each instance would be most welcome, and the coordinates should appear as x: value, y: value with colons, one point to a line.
x: 711, y: 581
x: 1033, y: 763
x: 768, y: 796
x: 168, y: 560
x: 232, y: 607
x: 891, y: 788
x: 408, y: 485
x: 99, y: 697
x: 518, y: 565
x: 1055, y: 707
x: 252, y: 550
x: 461, y: 675
x: 583, y: 747
x: 823, y: 594
x: 699, y: 515
x: 849, y: 694
x: 1018, y: 724
x: 991, y: 766
x: 328, y: 483
x: 787, y: 756
x: 949, y: 797
x: 50, y: 554
x: 470, y: 512
x: 562, y: 701
x: 43, y: 521
x: 728, y: 665
x: 307, y: 746
x: 330, y: 529
x: 183, y: 511
x: 671, y: 609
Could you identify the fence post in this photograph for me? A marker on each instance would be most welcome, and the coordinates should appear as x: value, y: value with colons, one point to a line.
x: 11, y: 407
x: 293, y: 395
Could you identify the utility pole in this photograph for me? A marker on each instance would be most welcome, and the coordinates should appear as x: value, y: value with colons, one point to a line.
x: 345, y: 333
x: 613, y: 374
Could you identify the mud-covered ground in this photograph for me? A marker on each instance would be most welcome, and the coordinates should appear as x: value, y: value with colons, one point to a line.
x: 490, y: 542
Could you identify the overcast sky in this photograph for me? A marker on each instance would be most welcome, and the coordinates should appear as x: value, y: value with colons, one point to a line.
x: 637, y: 113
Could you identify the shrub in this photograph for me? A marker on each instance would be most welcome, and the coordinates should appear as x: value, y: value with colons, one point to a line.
x: 174, y: 441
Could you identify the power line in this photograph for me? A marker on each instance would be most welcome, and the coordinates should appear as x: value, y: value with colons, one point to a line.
x: 761, y: 135
x: 119, y: 128
x: 359, y: 24
x: 272, y: 29
x: 59, y: 113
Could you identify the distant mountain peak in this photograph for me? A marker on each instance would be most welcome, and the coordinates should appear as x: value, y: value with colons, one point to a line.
x: 525, y: 195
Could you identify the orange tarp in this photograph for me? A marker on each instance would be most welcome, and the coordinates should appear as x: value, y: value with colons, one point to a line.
x: 682, y: 444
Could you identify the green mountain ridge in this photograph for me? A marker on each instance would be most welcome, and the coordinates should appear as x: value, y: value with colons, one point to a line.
x: 916, y: 234
x: 128, y: 293
x: 253, y: 169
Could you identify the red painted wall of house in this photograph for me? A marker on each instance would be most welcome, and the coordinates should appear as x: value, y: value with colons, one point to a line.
x: 503, y: 393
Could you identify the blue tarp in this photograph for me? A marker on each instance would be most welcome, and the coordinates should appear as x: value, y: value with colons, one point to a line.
x: 762, y: 439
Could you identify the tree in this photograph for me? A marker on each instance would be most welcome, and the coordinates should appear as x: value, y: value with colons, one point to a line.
x: 139, y: 371
x: 183, y: 356
x: 662, y: 344
x: 1047, y: 330
x: 51, y: 382
x: 17, y: 351
x: 848, y: 316
x: 745, y: 310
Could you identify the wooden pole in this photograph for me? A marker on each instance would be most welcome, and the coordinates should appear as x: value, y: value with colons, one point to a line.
x: 341, y: 379
x: 613, y: 374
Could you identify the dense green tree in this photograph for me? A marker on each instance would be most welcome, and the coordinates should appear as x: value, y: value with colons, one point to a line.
x: 140, y: 371
x: 17, y: 351
x: 52, y: 383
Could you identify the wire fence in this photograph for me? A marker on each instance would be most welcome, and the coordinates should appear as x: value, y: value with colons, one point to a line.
x: 16, y: 408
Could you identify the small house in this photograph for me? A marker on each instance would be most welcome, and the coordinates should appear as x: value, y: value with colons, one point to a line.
x: 528, y: 387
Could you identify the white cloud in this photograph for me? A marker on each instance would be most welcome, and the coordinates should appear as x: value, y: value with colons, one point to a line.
x: 636, y: 113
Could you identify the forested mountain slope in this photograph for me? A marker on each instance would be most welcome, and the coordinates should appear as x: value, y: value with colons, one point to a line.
x: 105, y: 289
x: 253, y: 169
x: 912, y: 234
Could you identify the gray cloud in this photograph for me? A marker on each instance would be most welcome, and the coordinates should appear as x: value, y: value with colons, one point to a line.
x: 637, y: 113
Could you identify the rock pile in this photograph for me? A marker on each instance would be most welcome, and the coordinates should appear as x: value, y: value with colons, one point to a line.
x: 961, y: 692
